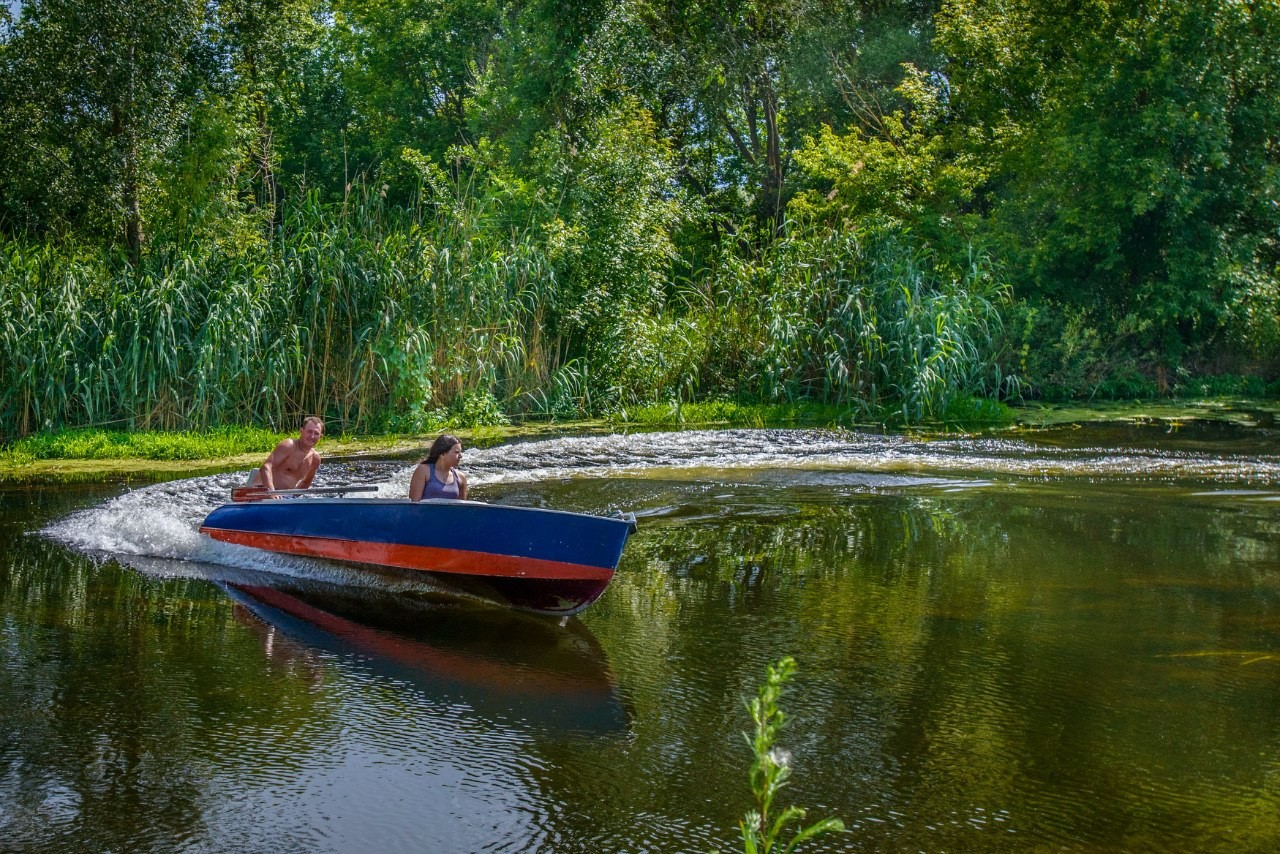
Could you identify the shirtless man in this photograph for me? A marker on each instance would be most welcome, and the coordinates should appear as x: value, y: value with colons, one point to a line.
x: 294, y: 462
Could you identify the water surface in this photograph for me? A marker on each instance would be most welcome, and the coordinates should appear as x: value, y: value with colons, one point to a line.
x: 1060, y: 640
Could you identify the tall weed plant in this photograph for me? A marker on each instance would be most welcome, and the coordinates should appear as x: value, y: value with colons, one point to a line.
x: 860, y: 319
x: 768, y: 828
x: 358, y: 312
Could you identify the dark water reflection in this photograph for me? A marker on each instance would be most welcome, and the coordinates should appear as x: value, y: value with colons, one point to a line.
x: 505, y: 667
x: 1004, y: 645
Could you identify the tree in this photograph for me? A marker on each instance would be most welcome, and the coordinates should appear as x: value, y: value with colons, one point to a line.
x: 388, y: 74
x: 742, y: 83
x: 94, y: 98
x: 1135, y: 147
x: 266, y: 44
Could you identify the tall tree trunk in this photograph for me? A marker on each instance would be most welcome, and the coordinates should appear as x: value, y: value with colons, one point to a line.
x: 267, y: 185
x: 125, y: 130
x: 269, y: 194
x: 775, y: 164
x: 132, y: 205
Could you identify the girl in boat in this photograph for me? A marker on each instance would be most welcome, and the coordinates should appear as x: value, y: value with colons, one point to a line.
x: 438, y: 475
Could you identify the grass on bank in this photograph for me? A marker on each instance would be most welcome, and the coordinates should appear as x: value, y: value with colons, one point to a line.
x: 224, y: 442
x: 92, y: 444
x: 217, y: 444
x: 727, y: 412
x: 228, y: 444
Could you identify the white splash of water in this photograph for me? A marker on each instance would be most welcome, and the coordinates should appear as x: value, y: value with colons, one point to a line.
x: 163, y: 521
x: 726, y: 450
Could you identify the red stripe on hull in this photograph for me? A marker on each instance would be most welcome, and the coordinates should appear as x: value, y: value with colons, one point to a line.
x: 424, y: 558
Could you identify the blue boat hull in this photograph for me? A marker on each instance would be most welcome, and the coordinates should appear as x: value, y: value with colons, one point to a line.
x: 549, y: 561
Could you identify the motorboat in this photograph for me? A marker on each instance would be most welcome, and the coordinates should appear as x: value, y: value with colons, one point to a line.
x: 553, y: 562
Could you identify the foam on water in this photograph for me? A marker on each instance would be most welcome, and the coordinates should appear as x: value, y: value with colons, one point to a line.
x: 727, y: 450
x: 162, y: 521
x: 156, y: 529
x: 773, y: 455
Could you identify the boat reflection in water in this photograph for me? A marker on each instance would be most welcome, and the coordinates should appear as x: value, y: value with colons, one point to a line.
x: 500, y: 663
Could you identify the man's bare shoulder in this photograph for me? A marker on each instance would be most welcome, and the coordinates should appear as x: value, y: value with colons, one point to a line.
x: 285, y: 447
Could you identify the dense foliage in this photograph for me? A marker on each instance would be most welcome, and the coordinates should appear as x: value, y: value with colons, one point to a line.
x: 398, y: 213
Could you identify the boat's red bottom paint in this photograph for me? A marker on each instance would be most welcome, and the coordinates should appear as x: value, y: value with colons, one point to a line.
x: 425, y: 558
x: 544, y: 586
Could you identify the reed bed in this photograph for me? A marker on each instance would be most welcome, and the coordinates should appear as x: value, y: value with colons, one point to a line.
x: 381, y: 318
x: 860, y: 319
x: 359, y: 315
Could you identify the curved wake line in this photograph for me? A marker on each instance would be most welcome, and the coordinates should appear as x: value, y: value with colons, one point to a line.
x: 648, y: 453
x: 162, y: 521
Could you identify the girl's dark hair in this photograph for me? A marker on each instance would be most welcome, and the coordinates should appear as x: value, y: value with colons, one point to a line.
x: 439, y: 446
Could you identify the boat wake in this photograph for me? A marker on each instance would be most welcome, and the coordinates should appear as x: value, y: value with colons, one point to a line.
x: 945, y: 459
x: 161, y: 522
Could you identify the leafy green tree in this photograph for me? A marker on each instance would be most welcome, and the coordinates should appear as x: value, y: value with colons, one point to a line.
x: 740, y: 84
x: 901, y: 169
x: 94, y: 98
x: 403, y: 74
x: 1134, y: 147
x: 266, y: 44
x: 613, y: 207
x: 540, y: 77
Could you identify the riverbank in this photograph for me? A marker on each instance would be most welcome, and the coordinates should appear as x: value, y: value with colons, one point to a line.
x: 23, y: 468
x: 157, y: 459
x: 1238, y: 411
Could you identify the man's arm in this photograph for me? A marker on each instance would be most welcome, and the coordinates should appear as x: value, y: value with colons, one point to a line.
x: 311, y: 471
x: 276, y: 458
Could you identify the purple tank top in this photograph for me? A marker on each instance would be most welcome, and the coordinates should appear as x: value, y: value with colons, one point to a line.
x: 436, y: 488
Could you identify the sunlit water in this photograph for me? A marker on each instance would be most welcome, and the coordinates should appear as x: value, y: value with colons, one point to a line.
x: 1056, y: 641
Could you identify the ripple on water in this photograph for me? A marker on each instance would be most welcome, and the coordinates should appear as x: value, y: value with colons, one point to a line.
x: 957, y: 664
x: 372, y: 746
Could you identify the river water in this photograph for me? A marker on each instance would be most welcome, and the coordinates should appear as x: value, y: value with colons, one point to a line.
x: 1051, y: 640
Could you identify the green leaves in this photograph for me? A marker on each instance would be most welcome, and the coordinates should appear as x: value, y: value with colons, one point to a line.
x: 1132, y: 157
x: 864, y: 319
x: 669, y: 191
x: 762, y: 831
x: 97, y: 91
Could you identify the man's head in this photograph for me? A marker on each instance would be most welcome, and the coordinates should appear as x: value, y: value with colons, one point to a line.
x: 312, y: 430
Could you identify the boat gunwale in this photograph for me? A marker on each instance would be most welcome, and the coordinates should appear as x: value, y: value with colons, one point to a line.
x: 628, y: 518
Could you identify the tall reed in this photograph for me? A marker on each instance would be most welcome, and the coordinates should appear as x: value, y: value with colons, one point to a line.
x: 348, y: 312
x: 858, y: 319
x: 381, y: 317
